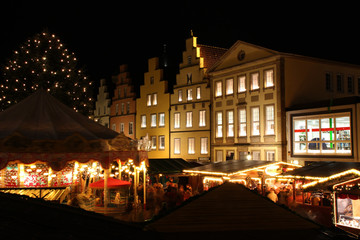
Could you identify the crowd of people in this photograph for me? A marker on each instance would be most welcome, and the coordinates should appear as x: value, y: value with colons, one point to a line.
x: 282, y: 195
x: 160, y: 198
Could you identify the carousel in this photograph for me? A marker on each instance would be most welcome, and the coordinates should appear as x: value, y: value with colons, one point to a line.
x: 49, y: 151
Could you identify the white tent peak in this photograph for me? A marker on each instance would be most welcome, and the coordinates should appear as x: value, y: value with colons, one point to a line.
x: 42, y: 117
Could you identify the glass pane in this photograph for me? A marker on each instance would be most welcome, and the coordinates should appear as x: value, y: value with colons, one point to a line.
x: 328, y: 147
x: 327, y: 129
x: 299, y: 130
x: 343, y: 147
x: 300, y: 148
x: 343, y: 128
x: 313, y: 129
x: 256, y: 130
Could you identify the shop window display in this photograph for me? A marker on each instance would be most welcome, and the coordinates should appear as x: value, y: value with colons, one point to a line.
x: 322, y: 134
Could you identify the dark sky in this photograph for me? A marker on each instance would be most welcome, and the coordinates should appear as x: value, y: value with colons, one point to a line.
x: 104, y: 34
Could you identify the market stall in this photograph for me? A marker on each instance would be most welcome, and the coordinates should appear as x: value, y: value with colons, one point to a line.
x: 44, y: 143
x: 250, y: 173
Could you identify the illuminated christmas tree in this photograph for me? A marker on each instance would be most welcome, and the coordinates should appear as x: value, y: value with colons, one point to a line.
x: 43, y: 62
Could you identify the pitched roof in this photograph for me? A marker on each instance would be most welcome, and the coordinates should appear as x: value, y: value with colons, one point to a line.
x: 42, y: 117
x: 169, y: 166
x: 232, y: 209
x: 24, y: 217
x: 210, y: 54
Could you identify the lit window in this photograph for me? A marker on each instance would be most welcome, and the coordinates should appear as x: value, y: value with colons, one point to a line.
x: 154, y: 99
x: 255, y: 121
x: 121, y: 127
x: 191, y: 145
x: 270, y: 155
x: 176, y: 120
x: 114, y: 127
x: 153, y: 120
x: 218, y: 89
x: 148, y: 102
x: 229, y: 86
x: 219, y: 156
x: 122, y: 108
x: 153, y: 142
x: 322, y: 134
x: 161, y: 119
x: 219, y: 125
x: 230, y: 123
x: 269, y: 78
x: 255, y: 155
x: 202, y: 120
x: 204, y: 145
x: 255, y: 81
x: 143, y: 121
x: 242, y: 122
x: 241, y: 84
x: 189, y: 95
x: 198, y: 92
x: 176, y: 145
x: 161, y: 142
x: 180, y: 95
x: 188, y: 119
x: 270, y: 120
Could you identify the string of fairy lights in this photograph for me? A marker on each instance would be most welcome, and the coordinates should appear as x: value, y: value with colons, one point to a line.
x: 41, y: 175
x: 44, y: 62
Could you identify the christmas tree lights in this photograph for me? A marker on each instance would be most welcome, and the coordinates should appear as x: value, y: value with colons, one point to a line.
x: 43, y: 62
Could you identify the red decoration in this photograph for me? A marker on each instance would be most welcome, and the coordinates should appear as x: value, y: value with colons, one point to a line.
x: 112, y: 183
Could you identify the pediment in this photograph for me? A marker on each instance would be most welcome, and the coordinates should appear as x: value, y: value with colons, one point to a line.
x: 241, y: 53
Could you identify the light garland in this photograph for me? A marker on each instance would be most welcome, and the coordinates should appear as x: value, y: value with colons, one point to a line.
x: 44, y: 62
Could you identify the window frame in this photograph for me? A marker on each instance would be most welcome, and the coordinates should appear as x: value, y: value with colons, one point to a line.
x: 269, y: 121
x: 240, y: 77
x: 230, y: 126
x: 143, y: 123
x: 252, y: 88
x: 242, y: 123
x: 229, y: 86
x: 266, y: 78
x: 300, y: 143
x: 253, y: 122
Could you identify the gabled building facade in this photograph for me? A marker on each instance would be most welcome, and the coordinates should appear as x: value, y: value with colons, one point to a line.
x: 190, y: 103
x: 123, y: 107
x: 152, y: 111
x: 102, y: 105
x: 251, y: 89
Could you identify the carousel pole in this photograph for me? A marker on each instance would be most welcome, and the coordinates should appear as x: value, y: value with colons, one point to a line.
x: 144, y: 182
x: 106, y: 190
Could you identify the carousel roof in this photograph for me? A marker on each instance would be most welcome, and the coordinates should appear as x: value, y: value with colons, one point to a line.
x: 42, y: 117
x: 41, y: 128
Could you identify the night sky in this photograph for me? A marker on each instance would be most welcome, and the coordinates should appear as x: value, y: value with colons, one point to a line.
x: 105, y: 34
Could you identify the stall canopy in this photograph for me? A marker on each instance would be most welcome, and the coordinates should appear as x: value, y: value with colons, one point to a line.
x: 112, y: 183
x: 233, y: 210
x: 324, y: 175
x: 169, y: 166
x: 233, y: 167
x: 41, y: 128
x: 323, y: 169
